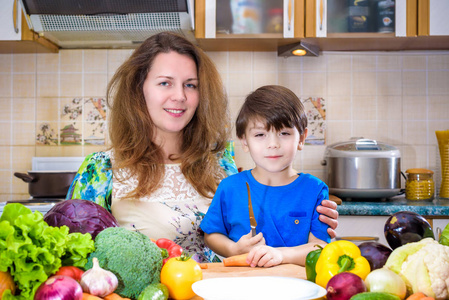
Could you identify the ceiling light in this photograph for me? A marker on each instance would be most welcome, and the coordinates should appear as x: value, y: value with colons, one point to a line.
x: 299, y: 49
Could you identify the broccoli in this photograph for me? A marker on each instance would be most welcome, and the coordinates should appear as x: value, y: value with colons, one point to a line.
x: 131, y: 256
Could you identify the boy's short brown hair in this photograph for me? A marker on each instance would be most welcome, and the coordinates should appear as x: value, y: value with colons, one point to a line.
x: 274, y: 105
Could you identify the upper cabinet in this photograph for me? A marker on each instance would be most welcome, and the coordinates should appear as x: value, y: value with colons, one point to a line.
x: 248, y: 24
x: 332, y: 25
x: 15, y: 35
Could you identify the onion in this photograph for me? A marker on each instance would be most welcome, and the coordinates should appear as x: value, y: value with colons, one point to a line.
x: 385, y: 280
x: 59, y: 287
x: 344, y: 285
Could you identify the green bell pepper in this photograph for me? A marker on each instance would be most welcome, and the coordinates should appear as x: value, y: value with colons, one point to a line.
x: 311, y: 259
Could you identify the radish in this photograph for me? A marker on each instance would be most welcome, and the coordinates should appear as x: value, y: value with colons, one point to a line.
x: 344, y: 285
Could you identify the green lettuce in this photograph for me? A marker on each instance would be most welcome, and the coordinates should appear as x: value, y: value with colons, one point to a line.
x: 31, y: 250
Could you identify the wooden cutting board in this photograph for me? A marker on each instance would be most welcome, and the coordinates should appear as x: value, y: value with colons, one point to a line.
x: 217, y: 270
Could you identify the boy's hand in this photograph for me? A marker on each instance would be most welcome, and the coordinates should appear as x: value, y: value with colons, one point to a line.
x: 264, y: 256
x: 247, y: 242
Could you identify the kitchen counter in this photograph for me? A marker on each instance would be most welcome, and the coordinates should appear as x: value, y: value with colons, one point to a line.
x: 435, y: 208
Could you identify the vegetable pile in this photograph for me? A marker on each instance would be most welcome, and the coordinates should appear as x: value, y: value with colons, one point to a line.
x: 31, y: 250
x: 416, y: 269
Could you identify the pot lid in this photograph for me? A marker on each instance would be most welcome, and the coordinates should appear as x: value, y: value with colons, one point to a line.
x: 360, y: 147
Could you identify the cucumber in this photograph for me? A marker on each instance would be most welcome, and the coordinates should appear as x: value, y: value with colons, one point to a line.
x: 374, y: 296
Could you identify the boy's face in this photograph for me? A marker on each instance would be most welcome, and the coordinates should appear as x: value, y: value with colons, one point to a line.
x: 273, y: 151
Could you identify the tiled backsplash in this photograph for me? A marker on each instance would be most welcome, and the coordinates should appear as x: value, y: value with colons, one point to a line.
x: 53, y: 104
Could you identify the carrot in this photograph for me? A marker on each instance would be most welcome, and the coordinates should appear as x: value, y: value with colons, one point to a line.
x: 236, y: 261
x: 417, y: 296
x: 87, y: 296
x: 211, y: 265
x: 114, y: 296
x: 428, y: 298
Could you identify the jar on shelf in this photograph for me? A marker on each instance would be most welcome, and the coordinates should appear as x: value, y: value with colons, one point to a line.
x: 275, y: 20
x: 419, y: 184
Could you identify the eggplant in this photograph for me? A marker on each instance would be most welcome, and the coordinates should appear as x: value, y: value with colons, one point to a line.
x: 406, y: 227
x: 376, y: 254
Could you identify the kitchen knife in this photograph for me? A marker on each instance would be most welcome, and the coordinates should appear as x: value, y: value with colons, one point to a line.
x: 252, y: 219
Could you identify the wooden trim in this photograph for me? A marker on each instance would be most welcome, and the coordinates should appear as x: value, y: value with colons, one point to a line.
x: 423, y: 17
x: 299, y: 15
x: 200, y: 19
x: 412, y: 18
x: 310, y: 18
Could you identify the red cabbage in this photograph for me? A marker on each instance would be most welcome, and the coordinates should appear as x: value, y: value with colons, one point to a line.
x: 80, y: 216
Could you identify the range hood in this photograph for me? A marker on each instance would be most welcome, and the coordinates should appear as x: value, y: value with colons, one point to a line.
x: 107, y: 23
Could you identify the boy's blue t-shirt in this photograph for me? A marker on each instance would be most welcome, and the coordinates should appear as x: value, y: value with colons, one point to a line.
x: 284, y: 214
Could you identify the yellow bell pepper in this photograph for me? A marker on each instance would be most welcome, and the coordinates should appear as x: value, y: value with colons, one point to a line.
x: 337, y: 257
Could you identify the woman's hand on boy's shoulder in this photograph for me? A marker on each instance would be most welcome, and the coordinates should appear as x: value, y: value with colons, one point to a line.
x: 329, y: 215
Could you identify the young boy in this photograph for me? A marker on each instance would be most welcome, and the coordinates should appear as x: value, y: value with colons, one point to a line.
x: 272, y: 127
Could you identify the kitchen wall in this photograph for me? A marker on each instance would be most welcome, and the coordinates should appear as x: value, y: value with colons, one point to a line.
x: 399, y: 98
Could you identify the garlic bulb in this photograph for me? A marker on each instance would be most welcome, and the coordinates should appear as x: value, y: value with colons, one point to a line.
x: 97, y: 281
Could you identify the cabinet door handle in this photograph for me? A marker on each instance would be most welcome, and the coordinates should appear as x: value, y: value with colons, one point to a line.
x: 289, y: 14
x: 321, y: 14
x: 15, y: 15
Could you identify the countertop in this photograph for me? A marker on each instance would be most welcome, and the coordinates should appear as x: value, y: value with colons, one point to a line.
x: 386, y: 207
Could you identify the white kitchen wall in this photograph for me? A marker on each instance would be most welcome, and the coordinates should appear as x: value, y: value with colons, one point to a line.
x: 400, y: 98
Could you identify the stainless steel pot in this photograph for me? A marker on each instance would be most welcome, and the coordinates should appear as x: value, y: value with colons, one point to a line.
x: 50, y: 184
x: 363, y: 168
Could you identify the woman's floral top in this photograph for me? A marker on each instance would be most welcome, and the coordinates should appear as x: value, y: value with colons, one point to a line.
x: 174, y: 211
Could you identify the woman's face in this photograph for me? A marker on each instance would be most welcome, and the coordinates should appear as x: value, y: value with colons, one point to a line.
x: 171, y: 92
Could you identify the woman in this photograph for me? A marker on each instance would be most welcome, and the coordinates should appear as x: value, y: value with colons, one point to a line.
x: 168, y: 133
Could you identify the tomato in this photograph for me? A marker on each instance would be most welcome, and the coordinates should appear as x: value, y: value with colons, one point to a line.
x: 178, y: 274
x: 70, y: 271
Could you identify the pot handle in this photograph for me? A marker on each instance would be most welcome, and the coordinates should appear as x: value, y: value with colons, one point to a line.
x: 24, y: 176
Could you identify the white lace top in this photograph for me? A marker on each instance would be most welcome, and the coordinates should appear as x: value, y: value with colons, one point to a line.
x: 175, y: 205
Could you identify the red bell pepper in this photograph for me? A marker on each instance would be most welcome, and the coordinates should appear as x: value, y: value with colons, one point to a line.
x: 173, y: 249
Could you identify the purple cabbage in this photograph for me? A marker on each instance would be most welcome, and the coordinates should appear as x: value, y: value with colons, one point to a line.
x: 80, y: 216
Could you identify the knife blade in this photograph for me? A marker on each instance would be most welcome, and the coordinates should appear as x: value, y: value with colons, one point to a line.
x: 252, y: 219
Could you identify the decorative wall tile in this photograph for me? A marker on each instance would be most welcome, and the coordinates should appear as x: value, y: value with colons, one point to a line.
x: 315, y: 109
x: 71, y: 133
x: 47, y: 133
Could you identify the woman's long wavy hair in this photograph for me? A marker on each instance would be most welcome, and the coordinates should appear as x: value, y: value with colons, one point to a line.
x: 131, y: 128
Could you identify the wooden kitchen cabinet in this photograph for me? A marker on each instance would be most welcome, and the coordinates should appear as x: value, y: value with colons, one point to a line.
x: 15, y: 35
x: 432, y: 18
x: 215, y: 29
